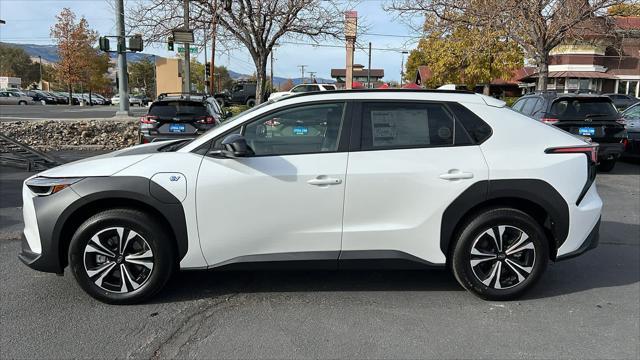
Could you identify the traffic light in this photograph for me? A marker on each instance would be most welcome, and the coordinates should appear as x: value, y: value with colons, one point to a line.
x: 104, y: 43
x: 135, y: 43
x: 170, y: 43
x: 207, y: 69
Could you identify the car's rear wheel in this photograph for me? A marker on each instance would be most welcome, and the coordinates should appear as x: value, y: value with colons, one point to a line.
x: 500, y: 254
x: 606, y: 165
x: 121, y: 256
x: 251, y: 102
x: 22, y: 102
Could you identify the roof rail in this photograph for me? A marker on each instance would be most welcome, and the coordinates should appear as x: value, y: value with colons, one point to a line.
x: 182, y: 95
x: 350, y: 91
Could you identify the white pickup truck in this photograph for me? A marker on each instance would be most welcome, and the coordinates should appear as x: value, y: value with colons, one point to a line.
x: 302, y: 88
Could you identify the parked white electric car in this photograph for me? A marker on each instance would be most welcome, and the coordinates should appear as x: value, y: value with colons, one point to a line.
x: 339, y: 179
x: 302, y: 88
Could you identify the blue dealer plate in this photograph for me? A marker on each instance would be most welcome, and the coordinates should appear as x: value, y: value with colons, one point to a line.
x: 587, y: 131
x: 300, y: 130
x: 176, y: 128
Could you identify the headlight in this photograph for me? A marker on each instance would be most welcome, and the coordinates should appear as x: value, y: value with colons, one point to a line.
x: 43, y: 186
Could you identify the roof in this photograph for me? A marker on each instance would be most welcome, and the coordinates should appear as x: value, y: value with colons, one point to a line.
x: 627, y: 22
x: 424, y: 73
x: 357, y: 72
x: 574, y: 74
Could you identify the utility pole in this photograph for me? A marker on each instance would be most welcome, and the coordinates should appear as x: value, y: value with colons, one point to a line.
x: 214, y: 30
x: 40, y: 58
x: 206, y: 88
x: 369, y: 69
x: 186, y: 76
x: 350, y: 32
x: 302, y: 73
x: 271, y: 64
x: 122, y: 61
x: 402, y: 68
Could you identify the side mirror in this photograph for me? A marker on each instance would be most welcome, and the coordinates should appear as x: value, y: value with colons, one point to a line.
x: 235, y: 146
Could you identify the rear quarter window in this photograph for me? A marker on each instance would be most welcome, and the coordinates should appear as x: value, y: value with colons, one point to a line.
x: 478, y: 130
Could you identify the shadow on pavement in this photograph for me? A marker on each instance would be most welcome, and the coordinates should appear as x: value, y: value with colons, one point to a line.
x: 606, y: 266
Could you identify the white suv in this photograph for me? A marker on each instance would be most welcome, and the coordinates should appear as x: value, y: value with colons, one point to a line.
x: 303, y: 88
x: 338, y: 179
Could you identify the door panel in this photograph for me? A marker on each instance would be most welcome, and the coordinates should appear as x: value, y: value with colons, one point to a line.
x: 266, y: 205
x: 395, y: 199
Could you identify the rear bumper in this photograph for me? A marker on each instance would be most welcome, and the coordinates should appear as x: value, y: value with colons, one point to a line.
x: 610, y: 151
x: 591, y: 242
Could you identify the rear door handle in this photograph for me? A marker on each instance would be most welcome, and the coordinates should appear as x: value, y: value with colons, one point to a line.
x: 323, y: 181
x: 456, y: 175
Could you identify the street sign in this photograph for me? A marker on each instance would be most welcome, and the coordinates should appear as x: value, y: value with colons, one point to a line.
x: 193, y: 49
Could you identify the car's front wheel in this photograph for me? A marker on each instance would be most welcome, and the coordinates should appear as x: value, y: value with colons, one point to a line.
x: 121, y: 256
x: 500, y: 254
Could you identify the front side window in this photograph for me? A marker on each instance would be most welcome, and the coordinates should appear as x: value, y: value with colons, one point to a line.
x: 299, y: 89
x: 301, y: 130
x: 405, y: 125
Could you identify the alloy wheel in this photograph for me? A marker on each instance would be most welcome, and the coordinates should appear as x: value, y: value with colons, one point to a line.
x: 118, y: 260
x: 502, y: 256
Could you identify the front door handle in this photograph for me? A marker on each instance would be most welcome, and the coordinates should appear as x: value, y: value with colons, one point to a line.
x: 456, y: 174
x: 323, y: 181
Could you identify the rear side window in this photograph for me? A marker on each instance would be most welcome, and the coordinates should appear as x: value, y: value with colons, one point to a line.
x: 519, y: 104
x: 405, y: 125
x: 478, y: 130
x: 171, y: 109
x: 581, y: 108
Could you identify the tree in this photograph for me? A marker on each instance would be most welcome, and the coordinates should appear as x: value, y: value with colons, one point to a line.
x: 75, y: 48
x: 15, y: 62
x: 287, y: 85
x: 96, y: 77
x: 625, y: 10
x: 142, y: 77
x: 537, y: 26
x: 466, y: 55
x: 197, y: 75
x: 256, y: 24
x: 222, y: 78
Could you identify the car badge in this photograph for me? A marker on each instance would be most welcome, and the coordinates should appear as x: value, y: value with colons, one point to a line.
x: 174, y: 177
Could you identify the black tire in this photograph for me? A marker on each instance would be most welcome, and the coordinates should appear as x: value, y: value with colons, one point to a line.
x: 152, y: 237
x: 251, y: 103
x: 22, y: 102
x: 606, y: 165
x: 473, y: 235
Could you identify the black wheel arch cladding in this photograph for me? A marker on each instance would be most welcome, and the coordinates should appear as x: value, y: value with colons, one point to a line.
x: 505, y: 192
x: 55, y: 213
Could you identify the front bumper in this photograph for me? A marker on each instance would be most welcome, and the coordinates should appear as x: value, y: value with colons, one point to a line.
x: 610, y: 151
x: 591, y: 242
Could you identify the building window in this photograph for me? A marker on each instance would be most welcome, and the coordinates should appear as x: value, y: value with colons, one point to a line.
x: 572, y: 85
x: 560, y: 84
x: 584, y: 84
x: 628, y: 87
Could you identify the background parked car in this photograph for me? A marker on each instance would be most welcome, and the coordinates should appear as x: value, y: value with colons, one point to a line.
x: 14, y: 98
x: 302, y: 88
x: 41, y: 97
x: 631, y: 118
x: 240, y: 94
x: 592, y: 116
x: 622, y: 101
x: 59, y: 98
x: 179, y: 116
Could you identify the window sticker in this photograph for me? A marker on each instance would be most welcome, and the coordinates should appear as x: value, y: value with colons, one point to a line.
x: 400, y: 126
x: 300, y: 130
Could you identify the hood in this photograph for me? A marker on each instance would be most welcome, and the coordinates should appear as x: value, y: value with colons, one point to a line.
x: 106, y: 164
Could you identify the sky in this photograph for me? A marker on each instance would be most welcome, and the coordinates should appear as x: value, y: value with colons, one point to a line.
x: 29, y: 21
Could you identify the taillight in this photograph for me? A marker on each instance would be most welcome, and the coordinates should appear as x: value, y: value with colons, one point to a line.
x: 148, y: 119
x: 206, y: 120
x: 550, y: 121
x: 592, y: 160
x: 591, y: 151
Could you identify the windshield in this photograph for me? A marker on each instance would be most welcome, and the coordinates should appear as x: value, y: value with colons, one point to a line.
x: 582, y: 108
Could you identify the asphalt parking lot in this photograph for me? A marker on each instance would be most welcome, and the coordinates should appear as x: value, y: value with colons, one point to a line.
x: 587, y: 307
x: 61, y: 112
